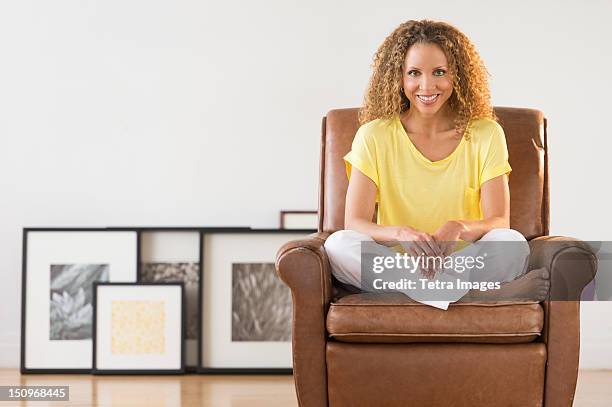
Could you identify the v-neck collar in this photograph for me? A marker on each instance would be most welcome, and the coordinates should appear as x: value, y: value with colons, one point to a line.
x: 404, y: 134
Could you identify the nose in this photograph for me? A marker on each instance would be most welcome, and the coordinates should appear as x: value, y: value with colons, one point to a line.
x: 427, y: 82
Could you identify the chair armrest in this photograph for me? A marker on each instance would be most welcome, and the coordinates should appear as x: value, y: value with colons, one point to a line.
x: 295, y: 255
x: 571, y: 262
x: 304, y: 267
x: 572, y: 265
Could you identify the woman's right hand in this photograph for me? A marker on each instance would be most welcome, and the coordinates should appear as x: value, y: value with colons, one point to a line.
x: 417, y: 243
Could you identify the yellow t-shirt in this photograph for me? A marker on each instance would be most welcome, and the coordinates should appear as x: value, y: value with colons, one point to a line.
x: 416, y: 192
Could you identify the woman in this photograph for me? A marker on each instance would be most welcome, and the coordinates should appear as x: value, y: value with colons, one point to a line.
x: 431, y: 154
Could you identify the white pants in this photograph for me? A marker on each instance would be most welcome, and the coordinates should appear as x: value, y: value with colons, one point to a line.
x: 344, y: 252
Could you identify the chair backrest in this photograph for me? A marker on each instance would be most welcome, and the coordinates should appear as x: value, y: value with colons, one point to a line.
x: 525, y: 131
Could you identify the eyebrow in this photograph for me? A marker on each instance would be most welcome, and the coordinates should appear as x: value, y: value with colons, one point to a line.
x: 417, y: 68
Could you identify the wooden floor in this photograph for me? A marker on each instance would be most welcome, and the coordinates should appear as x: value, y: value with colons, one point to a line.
x: 594, y: 390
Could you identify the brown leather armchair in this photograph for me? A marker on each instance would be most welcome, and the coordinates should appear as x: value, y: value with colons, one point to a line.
x: 359, y: 349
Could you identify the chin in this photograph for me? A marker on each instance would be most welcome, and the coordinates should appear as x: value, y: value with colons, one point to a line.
x: 429, y: 111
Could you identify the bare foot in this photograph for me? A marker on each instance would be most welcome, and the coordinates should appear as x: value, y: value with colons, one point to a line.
x: 534, y: 285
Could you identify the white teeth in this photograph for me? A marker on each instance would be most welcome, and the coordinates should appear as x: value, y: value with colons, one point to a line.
x: 427, y: 98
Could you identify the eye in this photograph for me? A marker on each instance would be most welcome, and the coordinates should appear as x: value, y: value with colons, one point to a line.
x: 439, y: 72
x: 413, y: 73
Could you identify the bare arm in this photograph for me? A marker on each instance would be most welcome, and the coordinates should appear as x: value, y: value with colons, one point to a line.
x: 495, y: 204
x: 360, y: 204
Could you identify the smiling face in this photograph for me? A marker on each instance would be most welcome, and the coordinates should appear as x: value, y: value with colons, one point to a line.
x: 426, y: 78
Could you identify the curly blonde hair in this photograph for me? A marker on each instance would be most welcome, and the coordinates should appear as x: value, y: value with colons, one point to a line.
x: 470, y: 98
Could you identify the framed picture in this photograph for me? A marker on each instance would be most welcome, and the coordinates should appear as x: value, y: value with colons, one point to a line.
x: 246, y: 309
x: 60, y: 267
x: 170, y: 255
x: 138, y: 328
x: 302, y: 220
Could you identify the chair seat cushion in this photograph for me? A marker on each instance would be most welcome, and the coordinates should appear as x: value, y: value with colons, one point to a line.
x: 395, y: 318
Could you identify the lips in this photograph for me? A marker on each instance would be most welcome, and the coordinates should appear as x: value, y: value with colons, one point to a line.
x: 428, y: 99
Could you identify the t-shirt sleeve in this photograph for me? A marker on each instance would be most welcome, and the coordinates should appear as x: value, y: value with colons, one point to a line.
x: 494, y: 156
x: 362, y: 155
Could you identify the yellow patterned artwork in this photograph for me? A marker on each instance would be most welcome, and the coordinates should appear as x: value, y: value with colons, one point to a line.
x: 137, y: 327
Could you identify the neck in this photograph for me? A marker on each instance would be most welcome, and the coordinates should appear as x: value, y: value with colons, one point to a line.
x: 428, y: 126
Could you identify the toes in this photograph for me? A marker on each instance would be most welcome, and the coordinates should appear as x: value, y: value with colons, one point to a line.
x: 541, y: 273
x: 541, y: 295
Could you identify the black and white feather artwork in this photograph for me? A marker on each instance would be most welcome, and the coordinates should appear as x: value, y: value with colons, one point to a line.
x: 261, y: 304
x: 71, y: 295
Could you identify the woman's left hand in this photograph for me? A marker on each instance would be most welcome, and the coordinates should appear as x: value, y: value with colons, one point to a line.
x: 448, y: 234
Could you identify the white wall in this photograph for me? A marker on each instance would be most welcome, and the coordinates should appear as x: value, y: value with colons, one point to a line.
x: 208, y: 113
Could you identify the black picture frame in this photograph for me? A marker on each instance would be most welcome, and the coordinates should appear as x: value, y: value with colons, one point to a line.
x: 202, y: 369
x: 196, y: 229
x: 97, y: 371
x: 24, y: 296
x: 202, y: 231
x: 188, y: 368
x: 284, y: 214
